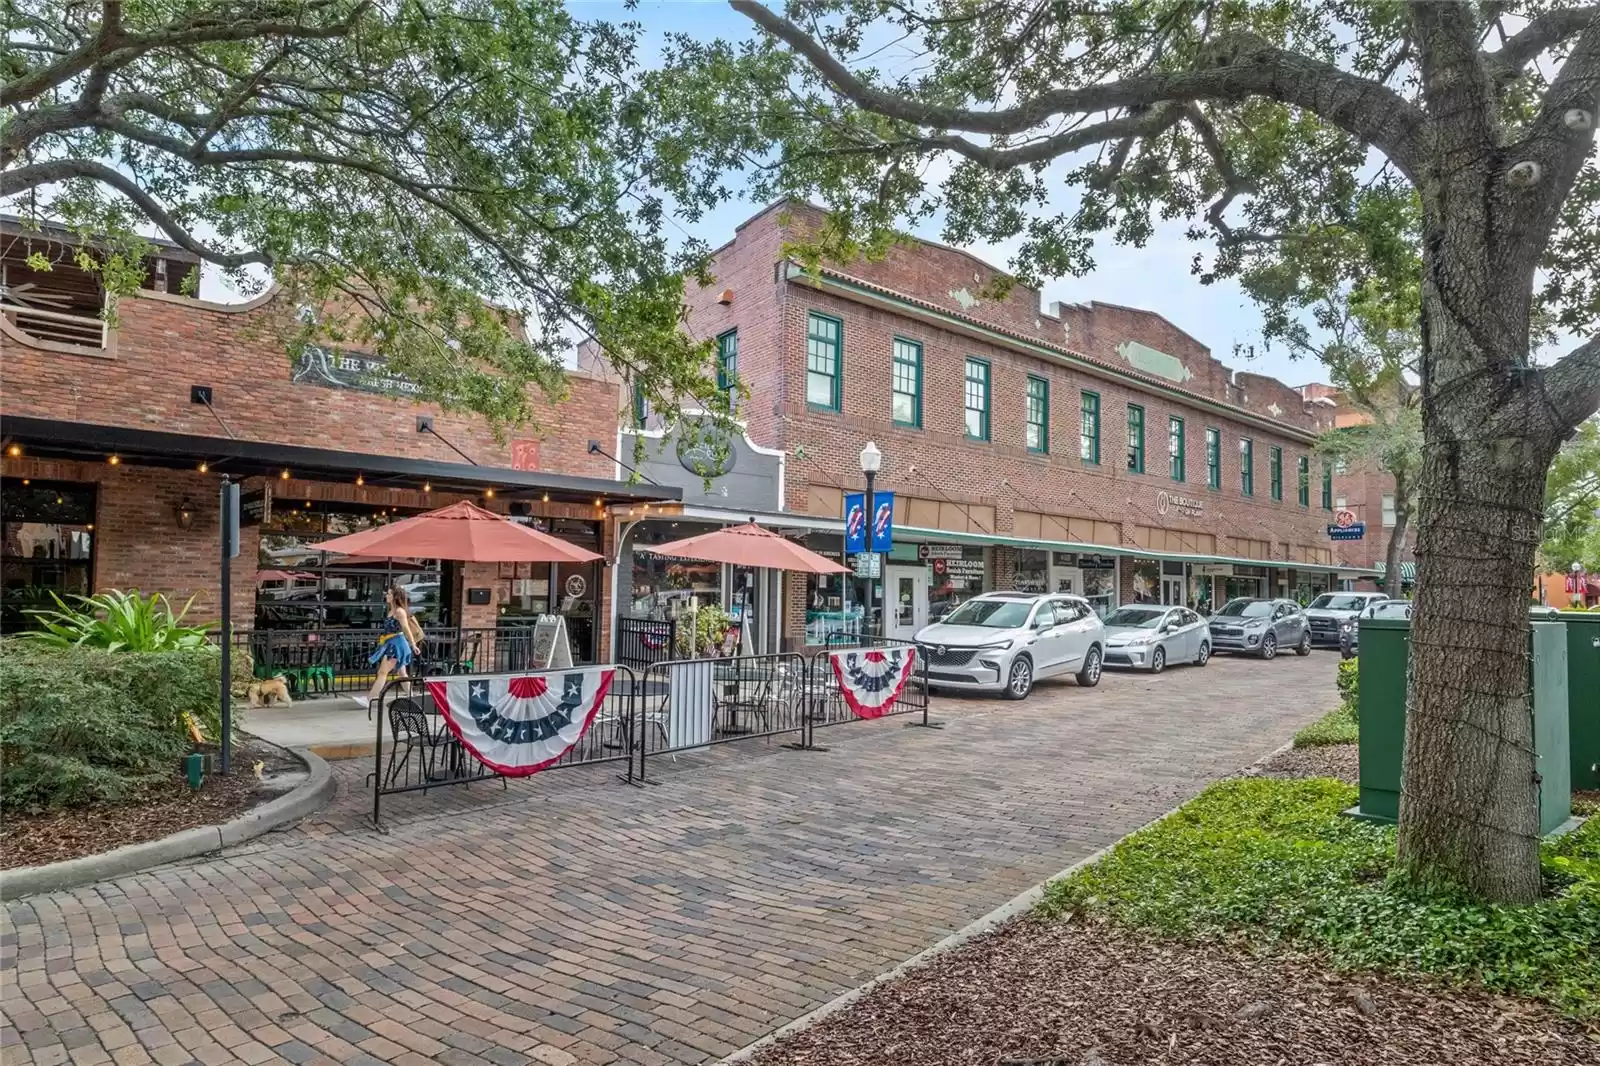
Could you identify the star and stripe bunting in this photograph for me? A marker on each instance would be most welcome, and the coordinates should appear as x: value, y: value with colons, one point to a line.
x: 872, y: 680
x: 517, y: 726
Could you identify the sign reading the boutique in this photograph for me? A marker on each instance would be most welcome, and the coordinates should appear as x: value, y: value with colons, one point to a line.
x: 350, y: 370
x: 1182, y: 506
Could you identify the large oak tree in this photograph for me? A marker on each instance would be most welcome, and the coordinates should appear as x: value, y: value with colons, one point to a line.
x: 1344, y: 137
x: 424, y: 176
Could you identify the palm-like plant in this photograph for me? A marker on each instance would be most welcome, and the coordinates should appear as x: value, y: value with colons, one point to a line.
x: 119, y: 621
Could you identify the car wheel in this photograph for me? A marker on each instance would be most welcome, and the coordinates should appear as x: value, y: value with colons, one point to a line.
x: 1020, y: 681
x: 1089, y: 676
x: 1158, y: 661
x: 1205, y: 654
x: 1269, y: 647
x: 1305, y: 644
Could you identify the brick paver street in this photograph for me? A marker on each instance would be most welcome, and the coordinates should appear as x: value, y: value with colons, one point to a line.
x: 576, y: 919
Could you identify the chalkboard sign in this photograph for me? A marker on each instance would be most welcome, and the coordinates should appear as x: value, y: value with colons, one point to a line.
x: 551, y: 648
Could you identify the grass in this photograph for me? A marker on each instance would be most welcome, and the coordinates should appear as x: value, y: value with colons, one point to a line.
x: 1338, y: 726
x: 1271, y: 862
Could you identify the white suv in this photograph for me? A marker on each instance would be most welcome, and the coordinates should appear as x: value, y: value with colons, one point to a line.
x: 1004, y: 641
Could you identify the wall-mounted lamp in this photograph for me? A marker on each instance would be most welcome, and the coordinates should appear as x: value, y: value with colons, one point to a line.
x: 184, y: 513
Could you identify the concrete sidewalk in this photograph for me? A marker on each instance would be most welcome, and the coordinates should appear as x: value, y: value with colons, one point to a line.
x: 334, y: 727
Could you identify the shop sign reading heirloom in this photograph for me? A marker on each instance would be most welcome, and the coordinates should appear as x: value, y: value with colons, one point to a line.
x: 1182, y: 506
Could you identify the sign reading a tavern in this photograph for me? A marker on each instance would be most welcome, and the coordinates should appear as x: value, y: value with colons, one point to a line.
x: 350, y: 370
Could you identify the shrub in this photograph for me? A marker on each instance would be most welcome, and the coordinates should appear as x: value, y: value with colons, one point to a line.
x: 1338, y: 726
x: 118, y: 621
x: 1349, y: 684
x: 1268, y: 862
x: 83, y: 725
x: 711, y: 625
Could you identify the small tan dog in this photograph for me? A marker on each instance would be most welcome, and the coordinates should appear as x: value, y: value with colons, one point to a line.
x: 269, y: 692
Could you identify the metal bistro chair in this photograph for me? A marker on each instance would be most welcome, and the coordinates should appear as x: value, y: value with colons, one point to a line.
x: 409, y: 726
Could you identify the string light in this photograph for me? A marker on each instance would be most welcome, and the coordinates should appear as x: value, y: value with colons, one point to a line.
x: 360, y: 480
x: 597, y: 502
x: 89, y: 527
x: 14, y: 451
x: 488, y: 494
x: 545, y: 497
x: 283, y: 475
x: 114, y: 460
x: 427, y: 486
x: 27, y: 481
x: 58, y: 499
x: 203, y: 468
x: 647, y: 508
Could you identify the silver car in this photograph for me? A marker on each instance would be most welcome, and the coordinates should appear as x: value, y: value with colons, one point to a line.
x: 1261, y: 627
x: 1004, y: 641
x: 1149, y: 636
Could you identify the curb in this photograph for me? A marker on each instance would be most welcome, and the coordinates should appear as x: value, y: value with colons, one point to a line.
x: 306, y: 798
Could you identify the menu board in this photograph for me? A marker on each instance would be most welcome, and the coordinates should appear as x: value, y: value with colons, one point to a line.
x: 551, y: 649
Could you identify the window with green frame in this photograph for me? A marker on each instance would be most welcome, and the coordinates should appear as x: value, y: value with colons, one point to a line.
x: 1327, y: 486
x: 1038, y: 428
x: 727, y: 360
x: 824, y: 361
x: 641, y: 407
x: 1305, y: 481
x: 1247, y: 466
x: 1175, y: 447
x: 1213, y: 457
x: 1089, y: 435
x: 907, y: 384
x: 1135, y: 438
x: 977, y: 399
x: 1275, y: 472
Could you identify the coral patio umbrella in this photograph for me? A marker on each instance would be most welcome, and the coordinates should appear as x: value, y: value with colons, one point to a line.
x: 748, y: 545
x: 462, y: 531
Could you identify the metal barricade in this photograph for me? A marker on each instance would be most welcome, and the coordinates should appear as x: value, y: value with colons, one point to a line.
x: 416, y: 750
x: 685, y: 704
x: 830, y: 706
x: 643, y: 642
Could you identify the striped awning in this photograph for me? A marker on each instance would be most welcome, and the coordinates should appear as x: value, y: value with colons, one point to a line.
x: 1408, y: 571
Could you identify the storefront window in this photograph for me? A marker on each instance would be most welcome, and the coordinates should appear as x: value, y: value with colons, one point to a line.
x: 299, y: 587
x: 1031, y: 571
x: 1099, y: 582
x: 953, y: 580
x: 1200, y: 591
x: 663, y: 587
x: 833, y: 611
x: 1146, y: 581
x: 1247, y: 581
x: 48, y: 531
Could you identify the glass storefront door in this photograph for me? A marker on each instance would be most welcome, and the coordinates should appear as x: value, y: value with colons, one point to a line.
x: 908, y: 594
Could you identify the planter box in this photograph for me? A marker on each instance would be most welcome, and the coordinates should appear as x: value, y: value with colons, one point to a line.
x: 1583, y: 695
x: 1385, y: 646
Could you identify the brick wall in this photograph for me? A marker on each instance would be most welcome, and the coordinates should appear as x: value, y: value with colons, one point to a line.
x: 1363, y: 490
x: 165, y: 344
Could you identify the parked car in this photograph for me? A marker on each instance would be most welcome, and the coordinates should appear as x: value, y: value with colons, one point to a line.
x: 1350, y: 639
x: 1004, y: 641
x: 1260, y: 627
x: 1149, y: 636
x: 1333, y: 615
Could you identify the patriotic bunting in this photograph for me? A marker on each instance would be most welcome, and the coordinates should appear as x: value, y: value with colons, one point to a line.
x: 519, y: 725
x: 871, y: 681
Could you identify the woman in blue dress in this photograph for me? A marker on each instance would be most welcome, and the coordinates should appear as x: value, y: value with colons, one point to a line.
x: 398, y: 641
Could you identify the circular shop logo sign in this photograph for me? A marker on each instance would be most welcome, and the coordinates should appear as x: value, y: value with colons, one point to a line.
x: 576, y: 585
x: 706, y: 453
x: 1344, y: 519
x: 1163, y: 501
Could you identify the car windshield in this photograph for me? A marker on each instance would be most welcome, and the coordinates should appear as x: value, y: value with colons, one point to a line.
x: 991, y: 614
x: 1138, y: 617
x: 1335, y: 602
x: 1247, y: 609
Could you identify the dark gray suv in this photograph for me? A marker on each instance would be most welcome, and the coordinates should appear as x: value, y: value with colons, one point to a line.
x: 1261, y: 627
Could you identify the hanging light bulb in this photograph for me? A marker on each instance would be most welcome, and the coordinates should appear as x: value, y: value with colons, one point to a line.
x: 545, y: 497
x: 283, y: 475
x: 488, y: 494
x: 360, y: 480
x: 203, y: 467
x: 14, y: 451
x: 114, y: 460
x: 427, y: 486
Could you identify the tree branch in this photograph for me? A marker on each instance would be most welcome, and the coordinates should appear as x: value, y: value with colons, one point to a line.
x: 1538, y: 36
x: 1232, y: 67
x: 1150, y: 124
x: 1572, y: 385
x: 30, y: 177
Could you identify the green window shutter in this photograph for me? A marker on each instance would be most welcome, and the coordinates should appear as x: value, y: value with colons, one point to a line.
x: 1214, y: 458
x: 1175, y: 447
x: 1327, y: 486
x: 1247, y: 466
x: 906, y: 398
x: 1275, y: 472
x: 1089, y: 439
x: 1135, y: 438
x: 1305, y: 481
x: 824, y: 361
x: 727, y: 360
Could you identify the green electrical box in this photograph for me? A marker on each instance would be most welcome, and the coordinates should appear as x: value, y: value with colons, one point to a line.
x: 1583, y: 695
x: 1385, y: 645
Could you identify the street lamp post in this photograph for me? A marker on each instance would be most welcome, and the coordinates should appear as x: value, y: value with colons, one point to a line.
x: 871, y: 463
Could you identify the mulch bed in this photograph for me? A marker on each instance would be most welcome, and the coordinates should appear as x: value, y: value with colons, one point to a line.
x: 1326, y: 760
x: 53, y: 836
x: 1073, y: 994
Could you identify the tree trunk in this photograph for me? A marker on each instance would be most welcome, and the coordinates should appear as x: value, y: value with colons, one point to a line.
x: 1392, y: 582
x: 1468, y: 808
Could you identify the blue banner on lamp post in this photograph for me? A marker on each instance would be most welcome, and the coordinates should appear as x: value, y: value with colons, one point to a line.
x: 882, y: 521
x: 855, y: 522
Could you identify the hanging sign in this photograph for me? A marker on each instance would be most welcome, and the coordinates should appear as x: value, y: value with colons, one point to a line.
x: 1353, y: 531
x: 255, y: 507
x: 871, y: 681
x: 524, y: 455
x: 855, y: 522
x: 519, y: 725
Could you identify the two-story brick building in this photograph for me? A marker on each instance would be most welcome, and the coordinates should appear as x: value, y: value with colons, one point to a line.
x: 1091, y: 447
x: 118, y: 431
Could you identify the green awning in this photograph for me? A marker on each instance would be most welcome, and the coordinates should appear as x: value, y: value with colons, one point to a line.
x: 1408, y: 571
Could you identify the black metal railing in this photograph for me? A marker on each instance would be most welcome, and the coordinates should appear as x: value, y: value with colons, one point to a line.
x: 316, y: 662
x: 669, y: 707
x: 643, y: 642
